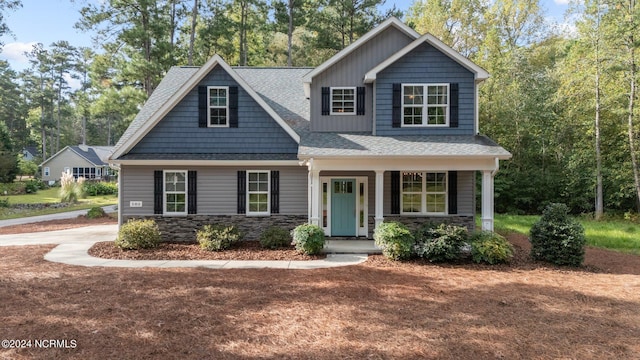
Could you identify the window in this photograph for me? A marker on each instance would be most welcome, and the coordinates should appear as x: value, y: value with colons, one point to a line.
x: 175, y: 192
x: 258, y: 190
x: 87, y: 173
x: 67, y: 170
x: 425, y: 105
x: 424, y: 193
x: 98, y: 172
x: 343, y: 101
x: 218, y: 105
x: 47, y: 171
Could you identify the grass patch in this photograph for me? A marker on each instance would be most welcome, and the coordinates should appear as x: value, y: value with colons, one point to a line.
x: 50, y: 196
x: 618, y: 235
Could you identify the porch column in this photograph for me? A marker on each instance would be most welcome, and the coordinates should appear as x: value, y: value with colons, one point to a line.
x: 379, y: 217
x: 316, y: 202
x: 487, y: 200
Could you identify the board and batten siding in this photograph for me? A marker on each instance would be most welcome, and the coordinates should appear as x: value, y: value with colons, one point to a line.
x: 466, y: 193
x: 349, y: 72
x: 178, y: 131
x: 216, y: 188
x: 425, y: 65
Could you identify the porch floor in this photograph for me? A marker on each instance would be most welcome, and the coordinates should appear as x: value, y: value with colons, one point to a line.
x: 335, y: 246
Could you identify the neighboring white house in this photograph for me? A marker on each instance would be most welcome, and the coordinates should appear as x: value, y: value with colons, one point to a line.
x: 85, y: 161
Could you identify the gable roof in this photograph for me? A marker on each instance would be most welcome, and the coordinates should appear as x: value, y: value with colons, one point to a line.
x: 96, y: 155
x: 157, y: 106
x: 392, y: 21
x: 480, y: 73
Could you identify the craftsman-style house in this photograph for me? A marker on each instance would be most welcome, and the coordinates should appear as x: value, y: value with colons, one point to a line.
x: 385, y: 129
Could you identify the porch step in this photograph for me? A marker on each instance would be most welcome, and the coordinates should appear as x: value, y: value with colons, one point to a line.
x: 350, y: 247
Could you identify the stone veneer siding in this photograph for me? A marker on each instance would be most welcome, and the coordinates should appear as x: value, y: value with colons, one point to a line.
x: 183, y: 228
x: 414, y: 222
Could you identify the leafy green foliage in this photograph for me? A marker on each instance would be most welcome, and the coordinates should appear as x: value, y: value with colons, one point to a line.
x: 491, y: 248
x: 71, y: 190
x: 217, y: 237
x: 440, y: 243
x: 395, y: 240
x: 558, y: 238
x: 94, y: 188
x: 96, y: 212
x: 138, y: 234
x: 4, y: 203
x: 308, y: 239
x: 275, y: 237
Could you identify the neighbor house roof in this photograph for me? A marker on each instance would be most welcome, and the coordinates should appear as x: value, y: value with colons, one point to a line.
x: 97, y: 155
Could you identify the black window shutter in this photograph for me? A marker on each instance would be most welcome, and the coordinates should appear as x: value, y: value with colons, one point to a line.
x: 202, y: 106
x: 453, y: 192
x: 275, y: 192
x: 360, y: 100
x: 396, y: 114
x: 326, y: 103
x: 157, y: 192
x: 453, y: 105
x: 395, y: 192
x: 233, y: 106
x: 242, y: 192
x: 192, y: 192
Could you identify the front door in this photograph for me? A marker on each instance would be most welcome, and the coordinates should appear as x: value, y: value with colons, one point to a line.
x: 343, y: 207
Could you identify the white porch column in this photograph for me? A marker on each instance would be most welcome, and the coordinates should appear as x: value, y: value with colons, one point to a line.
x: 379, y: 217
x: 487, y: 200
x: 316, y: 201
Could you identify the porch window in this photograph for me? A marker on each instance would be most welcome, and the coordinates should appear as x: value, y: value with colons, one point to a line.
x: 175, y: 192
x: 424, y: 193
x: 218, y: 106
x: 343, y: 101
x: 325, y: 222
x: 258, y: 191
x: 425, y: 105
x: 87, y: 173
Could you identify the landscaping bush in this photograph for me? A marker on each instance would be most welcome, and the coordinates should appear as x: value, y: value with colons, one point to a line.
x: 491, y: 248
x: 4, y: 203
x: 308, y: 239
x: 71, y: 190
x: 138, y: 234
x: 395, y: 240
x: 96, y: 188
x: 96, y: 212
x: 217, y: 237
x: 440, y: 243
x: 275, y: 237
x: 557, y: 238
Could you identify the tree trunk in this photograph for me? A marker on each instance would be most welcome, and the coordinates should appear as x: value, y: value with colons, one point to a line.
x: 631, y: 132
x: 290, y: 34
x: 192, y: 36
x: 243, y: 32
x: 599, y: 196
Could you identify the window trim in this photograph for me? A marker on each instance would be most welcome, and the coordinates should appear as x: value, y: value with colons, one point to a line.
x: 355, y: 100
x: 249, y: 193
x: 209, y: 107
x: 424, y: 193
x: 47, y: 171
x: 164, y: 192
x: 425, y: 105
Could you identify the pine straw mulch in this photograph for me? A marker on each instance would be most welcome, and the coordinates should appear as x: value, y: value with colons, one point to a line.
x: 376, y: 310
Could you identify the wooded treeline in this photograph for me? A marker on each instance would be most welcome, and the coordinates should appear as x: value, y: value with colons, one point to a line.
x: 561, y: 101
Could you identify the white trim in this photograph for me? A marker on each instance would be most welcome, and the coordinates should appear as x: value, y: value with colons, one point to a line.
x: 242, y: 163
x: 46, y: 171
x: 359, y: 231
x: 405, y: 164
x: 164, y: 193
x: 392, y: 21
x: 209, y: 106
x: 424, y: 193
x: 379, y: 215
x: 487, y: 200
x: 425, y: 105
x: 183, y: 90
x: 258, y: 213
x: 355, y: 103
x: 480, y: 73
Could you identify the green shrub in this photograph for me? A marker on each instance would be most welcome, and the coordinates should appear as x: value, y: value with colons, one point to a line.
x: 557, y: 238
x: 490, y: 248
x: 138, y: 234
x: 275, y: 237
x: 32, y: 186
x: 308, y: 239
x: 4, y: 203
x: 440, y: 243
x: 395, y: 240
x: 95, y: 188
x: 217, y: 237
x: 96, y: 212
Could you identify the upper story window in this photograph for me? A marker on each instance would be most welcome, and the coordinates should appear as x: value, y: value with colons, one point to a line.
x: 343, y: 101
x: 218, y: 105
x: 425, y: 105
x: 175, y: 192
x: 424, y: 193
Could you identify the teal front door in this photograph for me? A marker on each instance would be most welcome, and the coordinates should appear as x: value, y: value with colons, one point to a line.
x: 343, y: 207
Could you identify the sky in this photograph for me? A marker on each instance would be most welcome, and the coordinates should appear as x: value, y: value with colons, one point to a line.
x: 48, y: 21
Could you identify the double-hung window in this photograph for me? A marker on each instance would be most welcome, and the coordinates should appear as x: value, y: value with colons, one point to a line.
x: 258, y: 191
x: 424, y: 193
x: 218, y: 105
x: 343, y: 101
x: 425, y: 105
x: 175, y: 192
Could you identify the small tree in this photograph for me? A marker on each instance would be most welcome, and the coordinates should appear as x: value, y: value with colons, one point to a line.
x: 558, y: 238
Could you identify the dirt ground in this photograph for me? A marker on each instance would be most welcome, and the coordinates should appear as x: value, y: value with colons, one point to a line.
x: 377, y: 310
